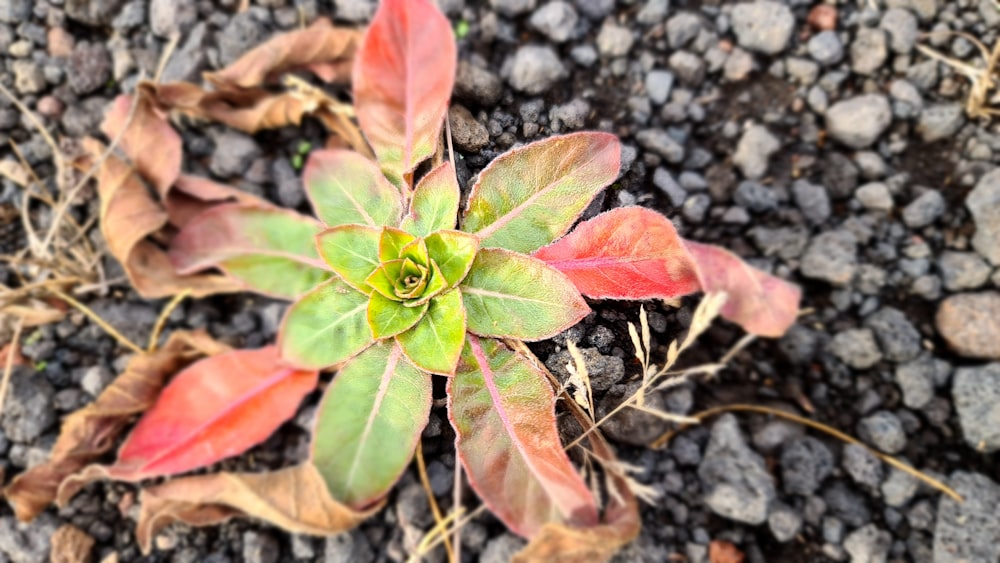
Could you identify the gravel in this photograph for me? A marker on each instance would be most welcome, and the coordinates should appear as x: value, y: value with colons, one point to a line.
x: 28, y: 408
x: 753, y: 151
x: 614, y: 40
x: 868, y: 544
x: 968, y: 530
x: 763, y: 26
x: 805, y: 463
x: 916, y: 381
x: 940, y: 121
x: 869, y: 51
x: 555, y: 20
x: 883, y: 430
x: 858, y: 122
x: 898, y: 338
x: 924, y: 210
x: 976, y: 393
x: 831, y: 257
x: 984, y: 205
x: 969, y: 323
x: 864, y: 467
x: 856, y: 348
x: 533, y: 69
x: 736, y: 482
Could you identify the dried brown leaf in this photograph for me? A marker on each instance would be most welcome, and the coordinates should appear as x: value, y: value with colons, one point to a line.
x: 724, y: 552
x: 70, y: 544
x: 130, y: 214
x: 327, y: 51
x: 35, y: 313
x: 147, y: 139
x: 295, y: 499
x: 91, y: 431
x: 192, y: 194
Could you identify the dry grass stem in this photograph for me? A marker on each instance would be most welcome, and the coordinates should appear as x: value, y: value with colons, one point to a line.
x: 439, y: 522
x: 161, y: 321
x: 8, y: 366
x: 579, y: 379
x: 701, y: 416
x: 982, y: 79
x: 110, y: 330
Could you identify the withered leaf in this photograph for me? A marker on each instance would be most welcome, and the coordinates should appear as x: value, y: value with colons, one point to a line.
x: 619, y: 524
x: 147, y: 139
x: 129, y: 214
x: 71, y: 545
x: 90, y: 432
x: 724, y: 552
x: 192, y: 194
x: 295, y: 499
x: 327, y: 51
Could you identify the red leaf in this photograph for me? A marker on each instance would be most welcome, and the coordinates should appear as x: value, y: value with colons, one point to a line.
x: 626, y: 253
x: 216, y: 408
x: 402, y: 82
x: 759, y: 302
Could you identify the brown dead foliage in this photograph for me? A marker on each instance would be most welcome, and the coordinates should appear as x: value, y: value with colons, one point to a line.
x: 71, y: 545
x: 295, y: 499
x: 724, y: 552
x: 90, y: 432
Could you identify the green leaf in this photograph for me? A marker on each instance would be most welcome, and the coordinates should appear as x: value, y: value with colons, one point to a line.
x: 510, y: 295
x: 272, y: 251
x: 345, y: 187
x: 352, y: 252
x: 436, y: 285
x: 502, y: 409
x: 325, y: 327
x: 412, y: 279
x: 435, y: 202
x: 453, y: 251
x: 383, y: 280
x: 392, y: 242
x: 435, y: 343
x: 530, y: 196
x: 368, y: 424
x: 389, y: 318
x: 416, y: 251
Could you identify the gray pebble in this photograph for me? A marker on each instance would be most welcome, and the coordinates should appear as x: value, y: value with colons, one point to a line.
x: 916, y: 381
x: 556, y: 20
x: 477, y: 85
x: 736, y: 482
x: 88, y: 68
x: 969, y: 530
x: 753, y: 151
x: 805, y: 463
x: 826, y: 48
x: 92, y: 12
x: 533, y: 69
x: 682, y: 28
x: 858, y: 122
x: 868, y: 544
x: 360, y: 11
x: 963, y: 270
x: 812, y: 200
x: 167, y: 17
x: 940, y: 121
x: 614, y: 40
x: 15, y: 11
x: 857, y: 348
x: 784, y: 522
x: 900, y: 488
x: 875, y: 197
x: 863, y: 466
x: 755, y: 196
x: 763, y: 26
x: 976, y: 394
x: 983, y: 203
x: 869, y: 51
x: 234, y: 151
x: 883, y: 430
x: 832, y: 257
x: 659, y: 83
x: 898, y: 338
x: 902, y: 28
x: 28, y: 408
x: 661, y: 143
x: 242, y: 33
x: 924, y: 210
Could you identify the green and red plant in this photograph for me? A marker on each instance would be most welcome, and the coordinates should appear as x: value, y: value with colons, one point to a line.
x: 394, y: 284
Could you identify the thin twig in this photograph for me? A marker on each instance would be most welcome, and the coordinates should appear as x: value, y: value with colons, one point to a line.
x: 701, y: 416
x: 168, y: 52
x: 435, y: 509
x: 154, y: 337
x: 112, y: 331
x: 8, y: 365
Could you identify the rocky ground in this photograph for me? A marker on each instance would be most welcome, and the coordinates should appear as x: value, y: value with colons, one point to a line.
x: 815, y: 139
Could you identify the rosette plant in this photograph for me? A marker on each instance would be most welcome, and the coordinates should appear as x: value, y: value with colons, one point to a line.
x: 395, y: 283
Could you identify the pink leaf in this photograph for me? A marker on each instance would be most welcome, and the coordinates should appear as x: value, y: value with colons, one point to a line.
x: 626, y: 253
x: 502, y: 409
x: 402, y: 82
x: 216, y: 408
x: 759, y: 302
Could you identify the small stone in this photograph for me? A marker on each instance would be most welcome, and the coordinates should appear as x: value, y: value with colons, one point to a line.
x: 572, y: 115
x: 825, y: 48
x: 27, y: 543
x: 95, y: 379
x: 688, y: 67
x: 60, y: 42
x: 970, y: 323
x: 916, y: 381
x: 28, y: 77
x: 189, y: 60
x: 556, y: 20
x: 659, y: 83
x: 347, y: 547
x: 604, y: 371
x: 753, y: 151
x: 50, y: 106
x: 869, y: 544
x: 968, y: 530
x: 666, y: 183
x: 805, y: 463
x: 840, y: 175
x: 976, y: 393
x: 738, y: 65
x: 360, y: 11
x: 501, y: 549
x: 512, y: 8
x: 856, y: 348
x: 469, y: 134
x: 28, y: 411
x: 15, y: 11
x: 763, y: 26
x: 875, y: 197
x: 823, y: 17
x: 260, y: 548
x: 785, y: 523
x: 832, y: 257
x: 614, y: 40
x: 883, y: 430
x: 898, y: 338
x: 735, y: 479
x: 286, y: 181
x: 234, y: 151
x: 88, y: 68
x: 899, y: 489
x: 963, y: 270
x: 902, y: 28
x: 595, y: 9
x: 242, y: 33
x: 857, y: 122
x: 661, y: 143
x: 682, y: 28
x: 477, y: 85
x: 983, y: 203
x: 167, y: 17
x: 755, y: 196
x: 863, y: 466
x: 846, y: 504
x: 812, y: 200
x: 940, y: 121
x: 131, y: 16
x: 92, y: 12
x: 533, y: 69
x: 924, y: 210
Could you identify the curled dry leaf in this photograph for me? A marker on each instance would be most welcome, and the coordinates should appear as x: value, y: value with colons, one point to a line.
x: 295, y: 499
x: 619, y: 523
x: 147, y: 139
x: 92, y: 431
x: 71, y: 545
x: 129, y: 214
x: 325, y: 50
